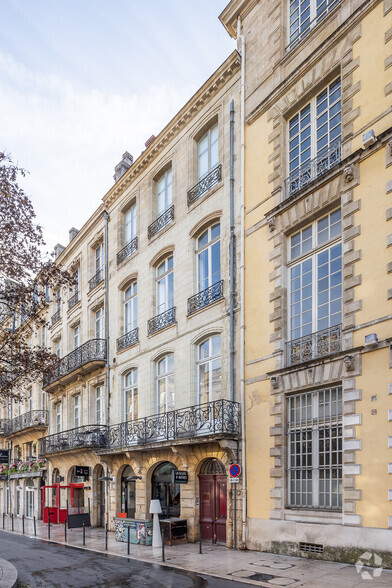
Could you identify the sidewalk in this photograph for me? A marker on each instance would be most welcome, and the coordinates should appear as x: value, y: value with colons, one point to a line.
x: 250, y: 567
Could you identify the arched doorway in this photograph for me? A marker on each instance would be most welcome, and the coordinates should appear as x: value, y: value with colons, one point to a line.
x: 100, y: 490
x: 213, y: 500
x: 163, y: 489
x: 76, y: 495
x: 128, y: 493
x: 29, y: 498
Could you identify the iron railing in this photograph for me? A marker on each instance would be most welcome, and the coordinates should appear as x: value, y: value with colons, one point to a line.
x: 315, y: 345
x: 128, y: 339
x: 161, y: 222
x: 56, y: 317
x: 73, y: 300
x: 205, y: 297
x: 127, y: 250
x: 95, y: 280
x: 34, y: 418
x: 3, y: 426
x: 94, y: 436
x: 211, y: 179
x: 304, y: 31
x: 212, y: 418
x: 93, y: 350
x: 159, y: 322
x: 313, y: 169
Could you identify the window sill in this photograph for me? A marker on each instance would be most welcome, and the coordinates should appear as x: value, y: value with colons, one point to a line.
x: 313, y: 515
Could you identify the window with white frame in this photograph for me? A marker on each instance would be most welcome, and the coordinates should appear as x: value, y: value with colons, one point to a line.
x: 314, y: 430
x: 58, y: 300
x: 165, y: 285
x: 314, y: 138
x: 76, y: 336
x: 43, y: 400
x: 209, y: 369
x: 76, y: 286
x: 130, y: 396
x: 164, y: 192
x: 305, y: 14
x: 58, y: 417
x: 58, y: 348
x: 99, y: 324
x: 77, y: 410
x: 98, y: 253
x: 165, y: 383
x: 43, y: 336
x: 30, y: 400
x: 208, y: 257
x: 130, y: 224
x: 208, y: 152
x: 99, y: 405
x: 130, y: 308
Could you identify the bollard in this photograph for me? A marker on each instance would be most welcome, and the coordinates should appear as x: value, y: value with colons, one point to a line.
x: 200, y: 540
x: 35, y: 527
x: 106, y: 538
x: 84, y: 534
x: 128, y: 542
x: 3, y: 520
x: 23, y: 524
x: 12, y: 521
x: 65, y: 531
x: 163, y: 545
x: 48, y: 525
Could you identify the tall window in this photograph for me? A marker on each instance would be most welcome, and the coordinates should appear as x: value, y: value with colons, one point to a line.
x: 58, y: 300
x: 304, y: 14
x: 99, y: 405
x: 58, y: 417
x: 58, y: 348
x: 208, y: 152
x: 77, y: 410
x: 30, y: 401
x: 315, y: 449
x: 130, y: 396
x: 208, y: 257
x: 99, y: 258
x: 165, y: 288
x: 130, y: 224
x: 76, y: 336
x: 209, y: 370
x: 43, y: 336
x: 43, y: 400
x: 165, y: 384
x: 130, y: 308
x: 99, y: 324
x: 76, y: 287
x: 164, y: 192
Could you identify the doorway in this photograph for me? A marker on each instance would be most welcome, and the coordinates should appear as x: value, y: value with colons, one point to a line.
x: 165, y: 491
x: 29, y: 498
x: 128, y: 493
x: 213, y: 501
x: 101, y: 492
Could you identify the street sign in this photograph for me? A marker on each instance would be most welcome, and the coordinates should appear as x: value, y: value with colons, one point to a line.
x: 4, y: 456
x: 234, y: 480
x: 179, y: 477
x: 235, y: 470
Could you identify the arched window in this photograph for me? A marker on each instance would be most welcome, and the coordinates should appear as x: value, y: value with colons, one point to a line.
x: 165, y: 285
x: 165, y: 383
x: 209, y: 369
x: 130, y: 396
x: 130, y: 308
x: 165, y: 491
x: 208, y: 257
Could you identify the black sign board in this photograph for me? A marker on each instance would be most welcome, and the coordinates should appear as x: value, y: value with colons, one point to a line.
x: 179, y: 477
x: 82, y: 472
x: 4, y: 456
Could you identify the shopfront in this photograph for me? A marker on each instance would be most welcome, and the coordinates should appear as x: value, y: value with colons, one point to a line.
x: 128, y: 493
x: 165, y: 490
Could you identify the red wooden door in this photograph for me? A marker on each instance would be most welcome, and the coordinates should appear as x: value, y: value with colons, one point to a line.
x: 213, y: 507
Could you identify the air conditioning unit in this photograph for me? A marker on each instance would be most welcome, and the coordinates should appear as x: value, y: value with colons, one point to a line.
x: 368, y: 139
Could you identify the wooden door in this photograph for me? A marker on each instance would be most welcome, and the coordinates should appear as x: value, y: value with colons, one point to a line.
x: 213, y: 507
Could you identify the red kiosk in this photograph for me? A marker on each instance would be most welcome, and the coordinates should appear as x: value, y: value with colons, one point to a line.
x: 57, y: 511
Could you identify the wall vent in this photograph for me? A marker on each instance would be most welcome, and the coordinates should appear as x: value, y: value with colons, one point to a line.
x: 311, y: 547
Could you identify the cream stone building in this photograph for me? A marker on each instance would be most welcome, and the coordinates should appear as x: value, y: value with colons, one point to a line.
x: 318, y: 261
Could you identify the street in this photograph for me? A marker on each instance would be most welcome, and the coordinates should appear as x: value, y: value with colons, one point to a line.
x: 47, y: 565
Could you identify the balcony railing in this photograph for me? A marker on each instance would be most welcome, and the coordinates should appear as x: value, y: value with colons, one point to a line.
x: 56, y: 317
x: 95, y: 280
x: 312, y: 170
x: 34, y: 418
x: 205, y: 297
x: 220, y: 417
x: 93, y: 350
x: 304, y: 30
x: 73, y: 300
x: 128, y: 339
x: 129, y: 248
x: 161, y: 321
x: 161, y: 222
x: 88, y: 436
x: 211, y: 179
x: 3, y: 426
x: 316, y: 345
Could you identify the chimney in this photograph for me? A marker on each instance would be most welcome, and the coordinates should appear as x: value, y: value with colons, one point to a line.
x: 72, y: 233
x: 58, y: 249
x: 123, y: 166
x: 149, y: 141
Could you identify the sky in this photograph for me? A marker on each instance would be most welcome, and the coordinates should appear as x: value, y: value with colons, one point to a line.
x: 83, y: 81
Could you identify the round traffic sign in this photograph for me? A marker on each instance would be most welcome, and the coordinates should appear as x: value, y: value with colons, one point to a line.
x: 235, y: 470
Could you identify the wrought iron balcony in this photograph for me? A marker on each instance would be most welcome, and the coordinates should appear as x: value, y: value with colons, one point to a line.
x: 3, y: 426
x: 161, y: 222
x: 128, y: 339
x: 56, y: 317
x: 211, y: 179
x: 91, y: 352
x: 73, y: 300
x: 95, y: 280
x: 129, y: 248
x: 161, y: 321
x: 34, y: 418
x: 205, y: 297
x: 88, y: 436
x: 220, y: 417
x: 316, y: 345
x: 312, y: 170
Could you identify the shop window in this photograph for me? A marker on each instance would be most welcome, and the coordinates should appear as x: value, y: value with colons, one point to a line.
x: 165, y: 491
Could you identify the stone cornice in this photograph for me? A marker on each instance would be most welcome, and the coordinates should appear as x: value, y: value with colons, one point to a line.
x: 233, y: 10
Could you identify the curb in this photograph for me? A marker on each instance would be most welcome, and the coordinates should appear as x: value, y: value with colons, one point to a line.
x: 8, y: 575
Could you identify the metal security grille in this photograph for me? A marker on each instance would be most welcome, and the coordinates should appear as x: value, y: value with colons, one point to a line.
x: 315, y: 449
x: 311, y: 547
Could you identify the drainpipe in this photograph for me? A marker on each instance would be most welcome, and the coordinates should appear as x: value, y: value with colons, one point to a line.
x: 106, y: 217
x: 231, y: 253
x: 241, y: 40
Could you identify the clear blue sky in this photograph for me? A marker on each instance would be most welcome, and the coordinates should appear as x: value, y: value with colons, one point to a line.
x: 84, y: 80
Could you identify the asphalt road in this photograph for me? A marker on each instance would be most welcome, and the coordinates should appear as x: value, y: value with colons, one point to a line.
x: 48, y: 565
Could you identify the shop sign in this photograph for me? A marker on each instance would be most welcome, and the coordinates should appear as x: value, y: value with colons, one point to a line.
x: 4, y: 455
x: 82, y: 472
x: 179, y: 477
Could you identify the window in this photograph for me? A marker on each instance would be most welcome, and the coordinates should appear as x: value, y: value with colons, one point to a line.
x: 314, y: 138
x: 165, y: 289
x: 43, y: 336
x: 99, y: 405
x: 76, y: 336
x: 43, y: 400
x: 76, y: 287
x: 99, y: 324
x: 130, y: 224
x: 165, y: 384
x: 207, y: 152
x: 99, y: 258
x: 58, y: 348
x: 164, y: 192
x: 77, y: 410
x: 130, y: 396
x: 209, y: 369
x: 305, y: 14
x: 208, y: 258
x: 315, y: 449
x: 130, y: 308
x: 58, y: 300
x: 58, y: 417
x: 30, y: 400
